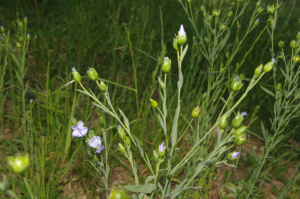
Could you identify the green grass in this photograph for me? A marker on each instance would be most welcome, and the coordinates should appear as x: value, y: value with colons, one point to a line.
x: 125, y: 41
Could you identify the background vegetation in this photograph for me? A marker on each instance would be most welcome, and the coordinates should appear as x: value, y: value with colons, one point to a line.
x: 91, y: 33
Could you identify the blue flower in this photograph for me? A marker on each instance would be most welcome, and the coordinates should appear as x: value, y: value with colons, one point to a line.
x: 161, y: 147
x: 79, y: 130
x: 95, y: 142
x: 181, y: 31
x: 244, y: 113
x: 235, y: 155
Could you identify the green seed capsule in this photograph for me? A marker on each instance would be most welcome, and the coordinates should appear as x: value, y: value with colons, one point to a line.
x: 95, y: 159
x: 122, y: 148
x: 270, y: 9
x: 258, y: 70
x: 237, y: 121
x: 240, y: 131
x: 73, y: 121
x: 216, y: 13
x: 196, y: 112
x: 268, y: 67
x: 257, y: 4
x: 240, y: 140
x: 259, y: 10
x: 92, y: 73
x: 154, y: 103
x: 175, y: 44
x: 278, y: 87
x: 223, y: 122
x: 127, y: 141
x: 103, y: 86
x: 122, y: 133
x: 293, y: 44
x: 230, y: 14
x: 76, y: 75
x: 204, y: 96
x: 166, y: 65
x: 202, y: 8
x: 18, y: 164
x: 236, y: 84
x: 280, y: 44
x: 18, y: 45
x: 155, y: 156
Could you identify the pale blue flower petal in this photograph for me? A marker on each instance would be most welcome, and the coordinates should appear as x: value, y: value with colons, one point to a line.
x: 101, y: 149
x: 181, y: 31
x: 95, y: 142
x: 235, y: 155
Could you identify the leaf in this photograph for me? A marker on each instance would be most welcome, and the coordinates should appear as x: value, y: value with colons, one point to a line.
x: 291, y: 92
x: 173, y: 194
x: 286, y: 77
x: 190, y: 188
x: 162, y: 124
x: 148, y: 188
x: 139, y: 147
x: 126, y: 121
x: 267, y: 91
x: 149, y: 178
x: 174, y: 127
x: 184, y: 52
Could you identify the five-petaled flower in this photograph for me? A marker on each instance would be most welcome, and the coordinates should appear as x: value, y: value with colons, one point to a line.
x: 95, y: 142
x: 79, y: 130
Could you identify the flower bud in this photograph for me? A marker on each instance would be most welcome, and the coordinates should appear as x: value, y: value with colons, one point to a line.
x: 204, y: 95
x: 102, y: 120
x: 223, y: 27
x: 76, y: 75
x: 155, y: 156
x: 190, y: 1
x: 268, y: 67
x: 153, y: 103
x: 2, y: 29
x: 278, y: 87
x: 175, y: 43
x: 236, y: 84
x: 73, y: 121
x: 240, y: 131
x: 258, y: 70
x: 103, y: 86
x: 233, y: 156
x: 270, y: 21
x: 240, y: 140
x: 237, y: 121
x: 296, y: 58
x: 28, y: 37
x: 20, y: 24
x: 92, y: 73
x: 166, y: 65
x: 202, y: 8
x: 95, y: 158
x: 127, y: 141
x: 216, y: 13
x: 270, y: 9
x: 121, y: 148
x: 230, y: 14
x: 280, y: 44
x: 298, y: 36
x: 204, y: 14
x: 223, y: 122
x: 161, y: 150
x: 122, y: 133
x: 256, y: 22
x: 293, y: 44
x: 196, y: 112
x: 259, y: 10
x: 18, y: 45
x: 25, y: 20
x: 18, y: 164
x: 257, y: 4
x: 239, y: 1
x: 209, y: 18
x: 181, y: 39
